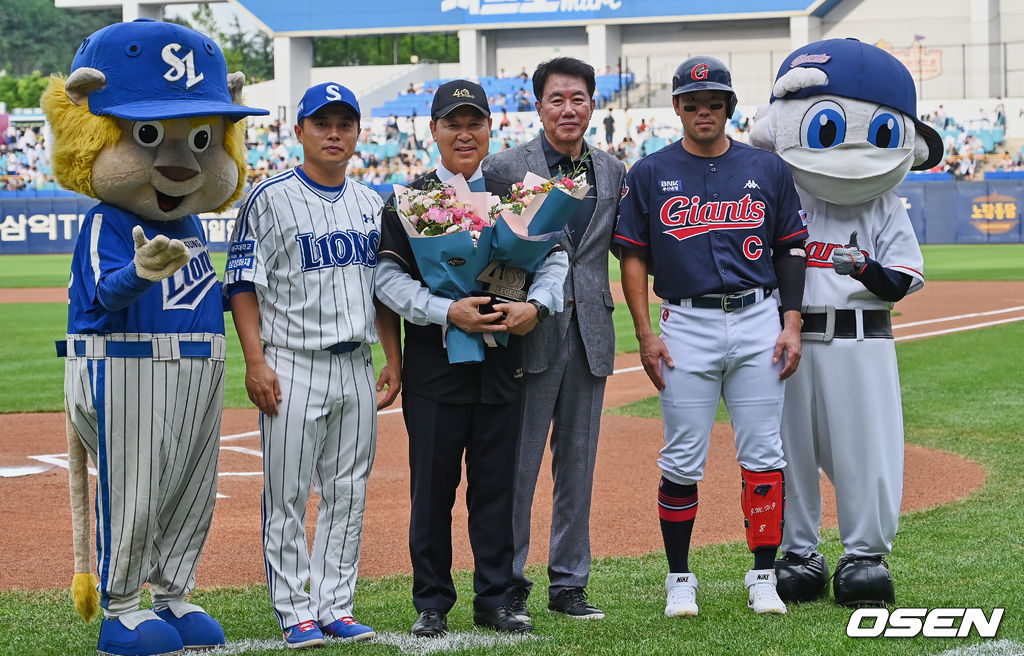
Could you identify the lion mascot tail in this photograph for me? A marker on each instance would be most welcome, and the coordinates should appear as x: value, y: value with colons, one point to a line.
x: 83, y: 586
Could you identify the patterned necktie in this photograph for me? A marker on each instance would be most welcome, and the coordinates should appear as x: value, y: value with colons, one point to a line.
x: 478, y: 185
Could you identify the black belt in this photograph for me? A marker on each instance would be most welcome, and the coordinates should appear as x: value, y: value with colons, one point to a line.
x: 343, y: 347
x: 725, y: 302
x: 877, y: 324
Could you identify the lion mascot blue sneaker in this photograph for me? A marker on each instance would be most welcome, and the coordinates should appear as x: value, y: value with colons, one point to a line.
x: 149, y: 123
x: 843, y: 116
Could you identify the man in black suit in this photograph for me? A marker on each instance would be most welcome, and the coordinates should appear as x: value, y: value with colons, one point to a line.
x: 471, y: 408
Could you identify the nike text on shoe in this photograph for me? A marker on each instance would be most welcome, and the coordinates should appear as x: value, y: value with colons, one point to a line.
x: 762, y: 597
x: 681, y: 590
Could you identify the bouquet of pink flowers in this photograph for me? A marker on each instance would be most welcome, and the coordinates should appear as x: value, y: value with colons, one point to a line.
x: 449, y: 228
x: 438, y: 210
x: 524, y: 203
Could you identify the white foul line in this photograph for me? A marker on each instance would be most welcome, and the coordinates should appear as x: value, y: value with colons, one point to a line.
x: 960, y: 329
x: 934, y: 333
x: 957, y: 317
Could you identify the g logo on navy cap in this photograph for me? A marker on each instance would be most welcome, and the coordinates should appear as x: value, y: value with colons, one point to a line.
x: 156, y: 70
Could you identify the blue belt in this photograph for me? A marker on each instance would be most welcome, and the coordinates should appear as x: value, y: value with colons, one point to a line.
x: 343, y: 347
x: 137, y: 349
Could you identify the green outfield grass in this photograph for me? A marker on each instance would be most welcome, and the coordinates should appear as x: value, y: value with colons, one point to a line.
x: 949, y: 262
x: 941, y: 261
x: 959, y: 396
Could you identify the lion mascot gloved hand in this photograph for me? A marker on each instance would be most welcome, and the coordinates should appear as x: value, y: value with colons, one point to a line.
x: 149, y: 123
x: 843, y: 116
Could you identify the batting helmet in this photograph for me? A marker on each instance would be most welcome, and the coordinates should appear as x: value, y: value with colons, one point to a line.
x: 704, y: 74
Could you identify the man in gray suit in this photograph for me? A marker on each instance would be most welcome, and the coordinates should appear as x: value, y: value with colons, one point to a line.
x: 569, y: 357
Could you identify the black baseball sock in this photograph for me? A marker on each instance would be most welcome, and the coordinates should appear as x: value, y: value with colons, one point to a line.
x: 764, y: 557
x: 677, y: 507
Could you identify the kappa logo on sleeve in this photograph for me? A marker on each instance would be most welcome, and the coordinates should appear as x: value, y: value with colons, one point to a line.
x: 671, y: 186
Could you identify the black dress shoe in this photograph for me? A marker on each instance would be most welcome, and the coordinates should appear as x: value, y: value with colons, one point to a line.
x: 501, y: 619
x: 431, y: 623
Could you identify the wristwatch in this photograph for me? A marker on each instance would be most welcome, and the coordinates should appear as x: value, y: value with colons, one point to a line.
x: 542, y: 310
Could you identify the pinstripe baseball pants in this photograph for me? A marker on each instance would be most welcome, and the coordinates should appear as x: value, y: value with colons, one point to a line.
x: 152, y: 427
x: 324, y: 435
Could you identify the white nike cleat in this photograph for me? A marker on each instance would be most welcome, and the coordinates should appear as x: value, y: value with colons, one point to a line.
x: 682, y: 595
x: 763, y: 598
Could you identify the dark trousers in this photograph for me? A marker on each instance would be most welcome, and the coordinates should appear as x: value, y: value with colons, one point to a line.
x: 439, y: 434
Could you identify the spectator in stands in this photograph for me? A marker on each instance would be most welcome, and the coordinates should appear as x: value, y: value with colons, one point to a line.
x: 522, y: 100
x: 411, y: 90
x: 643, y: 126
x: 609, y: 127
x: 391, y: 128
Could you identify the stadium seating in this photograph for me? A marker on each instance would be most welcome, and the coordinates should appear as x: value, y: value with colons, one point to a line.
x: 418, y: 104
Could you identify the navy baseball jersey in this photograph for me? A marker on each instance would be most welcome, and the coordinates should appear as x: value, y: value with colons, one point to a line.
x: 709, y: 223
x: 187, y: 302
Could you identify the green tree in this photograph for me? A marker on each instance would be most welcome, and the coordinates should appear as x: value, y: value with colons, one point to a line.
x: 380, y: 49
x: 253, y: 54
x: 36, y: 36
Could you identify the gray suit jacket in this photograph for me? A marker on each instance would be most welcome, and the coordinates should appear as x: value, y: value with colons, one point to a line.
x: 587, y: 292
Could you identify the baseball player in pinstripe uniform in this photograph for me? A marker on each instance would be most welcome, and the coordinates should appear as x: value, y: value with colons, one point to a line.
x: 300, y: 278
x: 148, y: 123
x: 718, y: 225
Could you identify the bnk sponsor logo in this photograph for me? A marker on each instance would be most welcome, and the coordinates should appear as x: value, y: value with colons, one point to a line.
x: 934, y: 623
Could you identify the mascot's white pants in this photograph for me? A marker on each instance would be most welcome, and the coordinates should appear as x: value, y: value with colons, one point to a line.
x: 842, y: 414
x: 152, y: 429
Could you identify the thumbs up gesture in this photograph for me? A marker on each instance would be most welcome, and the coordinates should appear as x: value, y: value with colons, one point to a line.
x: 849, y: 260
x: 158, y: 258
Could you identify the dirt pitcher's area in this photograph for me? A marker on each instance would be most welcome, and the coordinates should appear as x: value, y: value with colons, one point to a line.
x: 35, y: 509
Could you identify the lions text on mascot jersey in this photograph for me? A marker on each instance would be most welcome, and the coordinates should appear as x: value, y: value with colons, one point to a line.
x: 843, y: 117
x: 148, y: 123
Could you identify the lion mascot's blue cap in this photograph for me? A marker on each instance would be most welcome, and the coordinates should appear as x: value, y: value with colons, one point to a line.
x: 156, y: 70
x: 865, y: 72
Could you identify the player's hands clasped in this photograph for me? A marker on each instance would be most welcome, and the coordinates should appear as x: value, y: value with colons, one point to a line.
x: 263, y: 387
x: 849, y: 260
x: 158, y: 258
x: 465, y: 313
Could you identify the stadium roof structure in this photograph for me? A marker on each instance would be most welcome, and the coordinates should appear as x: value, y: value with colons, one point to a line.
x: 332, y: 18
x: 325, y: 18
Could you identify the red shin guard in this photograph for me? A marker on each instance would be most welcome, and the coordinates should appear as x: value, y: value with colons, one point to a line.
x: 763, y: 499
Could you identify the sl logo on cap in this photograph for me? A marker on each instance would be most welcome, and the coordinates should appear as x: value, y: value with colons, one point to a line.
x: 699, y: 72
x: 462, y: 93
x: 180, y: 66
